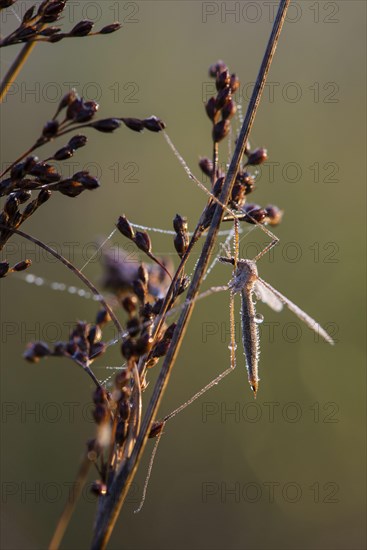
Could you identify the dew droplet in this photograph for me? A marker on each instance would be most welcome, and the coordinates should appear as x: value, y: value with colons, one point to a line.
x: 259, y: 318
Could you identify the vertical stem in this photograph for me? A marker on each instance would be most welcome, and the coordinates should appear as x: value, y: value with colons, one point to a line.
x: 110, y: 505
x: 15, y: 69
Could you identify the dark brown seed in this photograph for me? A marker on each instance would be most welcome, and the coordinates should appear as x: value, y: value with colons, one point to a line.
x: 154, y: 124
x: 50, y: 129
x: 64, y: 153
x: 229, y: 109
x: 43, y: 196
x: 94, y: 334
x: 124, y: 226
x: 144, y: 344
x: 128, y: 349
x: 211, y: 109
x: 112, y: 27
x: 142, y: 241
x: 206, y: 166
x: 143, y: 274
x: 99, y: 395
x: 156, y: 429
x: 11, y: 205
x: 134, y: 124
x: 179, y: 223
x: 217, y: 67
x: 258, y: 156
x: 274, y: 214
x: 100, y: 413
x: 223, y: 96
x: 234, y: 83
x: 21, y: 266
x: 129, y: 304
x: 133, y: 326
x: 222, y: 80
x: 106, y: 125
x: 140, y: 290
x: 103, y: 317
x: 77, y: 141
x: 221, y: 130
x: 28, y: 14
x: 82, y: 28
x: 4, y: 268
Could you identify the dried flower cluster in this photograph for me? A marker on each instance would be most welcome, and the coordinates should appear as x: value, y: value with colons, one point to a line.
x: 37, y: 24
x: 28, y: 173
x: 146, y: 293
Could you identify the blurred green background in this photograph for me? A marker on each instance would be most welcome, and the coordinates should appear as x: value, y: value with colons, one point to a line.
x: 286, y: 471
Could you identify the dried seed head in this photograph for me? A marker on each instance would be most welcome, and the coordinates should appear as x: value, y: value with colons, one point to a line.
x: 217, y: 67
x: 22, y: 266
x: 4, y: 268
x: 143, y: 274
x: 133, y: 326
x: 222, y: 80
x: 51, y: 11
x: 154, y: 124
x: 206, y: 166
x: 99, y: 395
x: 100, y: 413
x: 112, y: 27
x: 86, y: 112
x: 134, y: 124
x: 223, y: 96
x: 140, y: 290
x: 64, y: 153
x: 102, y: 318
x: 94, y: 334
x: 274, y: 214
x: 181, y: 285
x: 124, y: 226
x: 43, y: 196
x: 77, y: 141
x: 156, y: 429
x: 6, y: 3
x: 36, y: 351
x: 179, y: 224
x: 211, y: 109
x: 124, y: 410
x: 50, y: 129
x: 67, y: 100
x: 144, y: 344
x: 229, y: 109
x: 82, y: 28
x: 129, y: 304
x: 254, y: 213
x: 28, y: 14
x: 128, y: 349
x: 221, y: 130
x: 258, y: 156
x: 142, y: 241
x: 45, y: 173
x: 11, y: 205
x: 106, y: 125
x: 234, y: 83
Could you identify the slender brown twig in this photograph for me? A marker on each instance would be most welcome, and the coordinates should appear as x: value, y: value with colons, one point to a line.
x: 110, y: 504
x: 15, y: 69
x: 71, y: 503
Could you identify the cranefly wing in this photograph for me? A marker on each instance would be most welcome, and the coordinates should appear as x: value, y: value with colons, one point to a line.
x: 267, y: 296
x: 314, y: 325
